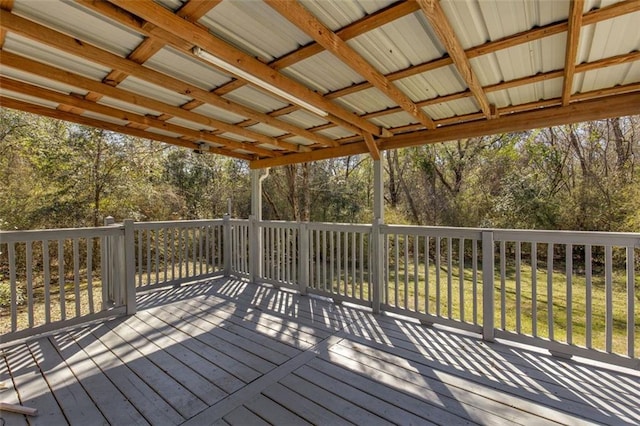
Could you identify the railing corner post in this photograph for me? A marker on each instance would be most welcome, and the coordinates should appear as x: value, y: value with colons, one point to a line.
x: 254, y: 272
x: 226, y: 244
x: 303, y: 233
x: 488, y: 268
x: 130, y: 266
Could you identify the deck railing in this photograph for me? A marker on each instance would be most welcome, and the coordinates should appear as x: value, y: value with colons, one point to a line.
x: 573, y: 293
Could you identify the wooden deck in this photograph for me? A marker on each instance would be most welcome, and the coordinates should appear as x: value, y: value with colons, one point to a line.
x: 228, y: 352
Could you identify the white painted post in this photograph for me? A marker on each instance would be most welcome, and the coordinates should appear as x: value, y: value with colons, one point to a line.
x: 488, y: 310
x: 303, y: 275
x: 129, y: 266
x: 376, y: 268
x: 226, y: 244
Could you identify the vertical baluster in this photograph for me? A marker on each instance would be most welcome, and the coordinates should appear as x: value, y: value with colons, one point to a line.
x: 172, y: 244
x: 180, y: 249
x: 518, y: 287
x: 449, y: 276
x: 426, y: 274
x: 89, y: 273
x: 156, y: 247
x: 503, y: 295
x: 201, y: 230
x: 550, y: 290
x: 386, y: 268
x: 164, y: 253
x: 140, y: 244
x: 104, y: 267
x: 338, y: 260
x: 331, y: 253
x: 61, y: 281
x: 406, y: 271
x: 474, y: 266
x: 13, y: 284
x: 437, y: 255
x: 353, y: 265
x: 29, y: 250
x: 47, y: 281
x: 608, y: 285
x: 396, y: 262
x: 416, y: 270
x: 194, y: 250
x: 361, y: 263
x: 272, y: 256
x: 76, y: 274
x: 461, y: 276
x: 148, y: 256
x: 324, y: 260
x: 534, y: 289
x: 630, y: 302
x: 569, y: 275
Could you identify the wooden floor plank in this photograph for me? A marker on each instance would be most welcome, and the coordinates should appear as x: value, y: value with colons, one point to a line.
x: 241, y: 416
x: 386, y: 403
x: 245, y: 366
x: 252, y: 345
x: 9, y: 394
x: 235, y: 374
x: 152, y: 406
x: 180, y: 398
x: 161, y: 356
x: 76, y: 404
x: 339, y: 405
x: 273, y: 412
x: 303, y: 407
x: 114, y: 405
x: 209, y: 362
x: 471, y: 389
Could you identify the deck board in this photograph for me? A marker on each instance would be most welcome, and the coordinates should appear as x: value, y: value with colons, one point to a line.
x: 231, y: 353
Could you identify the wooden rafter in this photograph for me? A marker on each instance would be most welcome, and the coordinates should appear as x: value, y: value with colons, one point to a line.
x: 146, y: 121
x: 440, y: 24
x: 5, y: 5
x: 300, y: 17
x: 614, y: 106
x: 167, y: 37
x: 87, y: 121
x: 573, y: 39
x: 372, y: 146
x: 359, y: 27
x: 68, y: 44
x: 66, y: 77
x: 191, y: 33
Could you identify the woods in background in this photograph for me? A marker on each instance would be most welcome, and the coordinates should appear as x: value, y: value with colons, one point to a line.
x: 581, y: 177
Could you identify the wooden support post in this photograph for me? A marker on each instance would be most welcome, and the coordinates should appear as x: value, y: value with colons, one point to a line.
x: 377, y: 256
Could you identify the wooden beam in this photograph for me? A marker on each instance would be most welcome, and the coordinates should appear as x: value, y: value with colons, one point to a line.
x: 167, y: 37
x: 86, y: 121
x: 4, y: 5
x: 19, y: 409
x: 304, y: 20
x: 87, y: 51
x: 47, y: 71
x: 359, y: 27
x: 144, y: 121
x: 156, y: 14
x: 371, y: 146
x: 440, y: 24
x: 571, y: 51
x: 598, y: 109
x: 196, y: 9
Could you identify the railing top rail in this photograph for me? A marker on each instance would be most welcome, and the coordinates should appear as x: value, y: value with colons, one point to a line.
x: 626, y: 239
x: 57, y: 234
x: 434, y: 231
x: 177, y: 223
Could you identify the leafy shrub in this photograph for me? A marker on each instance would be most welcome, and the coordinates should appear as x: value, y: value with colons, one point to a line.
x: 5, y: 294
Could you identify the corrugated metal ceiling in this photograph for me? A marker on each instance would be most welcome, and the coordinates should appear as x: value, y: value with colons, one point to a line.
x: 401, y: 48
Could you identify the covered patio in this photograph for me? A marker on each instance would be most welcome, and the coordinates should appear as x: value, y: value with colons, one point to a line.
x: 238, y: 321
